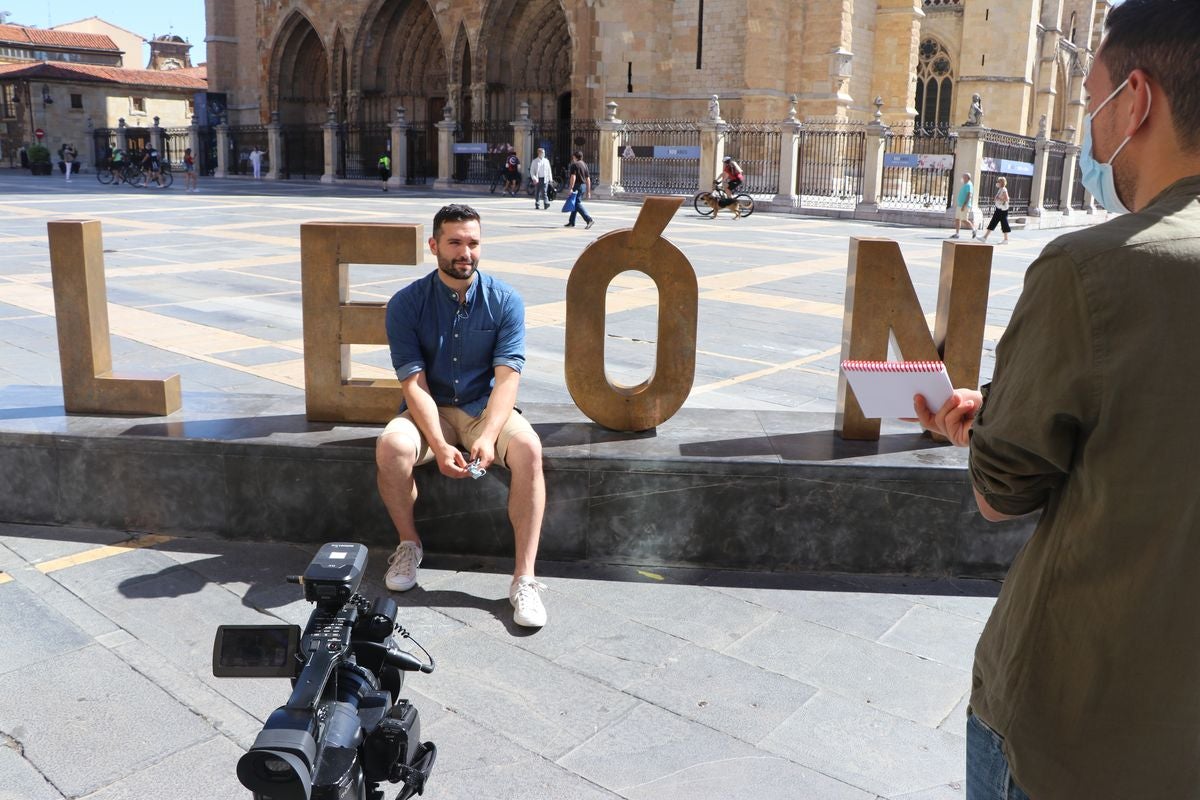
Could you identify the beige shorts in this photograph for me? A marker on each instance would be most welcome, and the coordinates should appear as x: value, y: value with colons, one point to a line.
x: 460, y: 429
x: 965, y: 216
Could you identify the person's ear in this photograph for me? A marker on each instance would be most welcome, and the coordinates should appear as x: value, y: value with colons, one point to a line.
x: 433, y: 245
x: 1139, y: 108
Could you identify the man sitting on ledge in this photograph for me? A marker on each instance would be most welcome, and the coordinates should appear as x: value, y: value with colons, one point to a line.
x: 457, y: 338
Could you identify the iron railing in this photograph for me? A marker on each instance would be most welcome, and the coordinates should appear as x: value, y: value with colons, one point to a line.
x: 360, y: 148
x: 242, y: 141
x: 755, y: 147
x: 660, y: 156
x: 829, y: 171
x: 1018, y: 150
x: 303, y: 153
x: 918, y: 169
x: 559, y: 138
x: 495, y: 139
x: 1077, y: 190
x: 422, y: 153
x: 1056, y: 158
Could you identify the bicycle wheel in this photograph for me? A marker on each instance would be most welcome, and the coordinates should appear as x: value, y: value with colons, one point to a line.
x: 135, y: 177
x: 105, y: 176
x: 745, y: 204
x: 495, y: 183
x: 701, y: 204
x: 167, y: 178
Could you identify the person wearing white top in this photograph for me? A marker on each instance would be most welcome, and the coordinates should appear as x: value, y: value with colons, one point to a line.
x: 539, y: 172
x: 1000, y: 211
x: 256, y: 162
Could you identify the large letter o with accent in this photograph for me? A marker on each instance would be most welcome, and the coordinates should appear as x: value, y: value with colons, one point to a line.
x: 642, y: 248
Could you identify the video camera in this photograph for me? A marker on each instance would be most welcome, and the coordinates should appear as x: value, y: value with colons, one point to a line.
x: 344, y: 729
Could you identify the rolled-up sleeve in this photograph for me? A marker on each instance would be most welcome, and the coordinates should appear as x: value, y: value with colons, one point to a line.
x: 403, y: 317
x: 510, y: 339
x: 1044, y: 397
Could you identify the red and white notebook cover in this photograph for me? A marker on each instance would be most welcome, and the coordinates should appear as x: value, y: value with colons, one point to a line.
x: 885, y: 389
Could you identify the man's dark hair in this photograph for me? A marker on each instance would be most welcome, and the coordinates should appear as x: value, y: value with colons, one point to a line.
x: 1162, y: 38
x: 578, y: 155
x: 455, y: 212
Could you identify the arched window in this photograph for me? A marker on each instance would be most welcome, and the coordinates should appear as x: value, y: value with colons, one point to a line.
x: 935, y: 85
x: 1072, y: 27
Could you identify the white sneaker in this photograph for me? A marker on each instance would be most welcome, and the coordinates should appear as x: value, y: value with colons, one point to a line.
x: 402, y: 567
x: 524, y: 594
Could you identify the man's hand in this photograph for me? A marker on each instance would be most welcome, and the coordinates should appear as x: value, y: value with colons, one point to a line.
x: 451, y: 463
x: 485, y: 450
x: 954, y: 419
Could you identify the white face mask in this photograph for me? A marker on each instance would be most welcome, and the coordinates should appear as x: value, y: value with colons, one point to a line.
x: 1097, y: 178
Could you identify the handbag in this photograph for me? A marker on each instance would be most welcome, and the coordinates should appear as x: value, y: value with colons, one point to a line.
x: 569, y: 206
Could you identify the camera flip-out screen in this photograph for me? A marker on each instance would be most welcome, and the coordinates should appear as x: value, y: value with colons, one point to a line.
x: 256, y: 651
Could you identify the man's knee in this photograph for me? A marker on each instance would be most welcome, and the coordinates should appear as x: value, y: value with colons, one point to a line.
x: 395, y: 455
x: 524, y: 452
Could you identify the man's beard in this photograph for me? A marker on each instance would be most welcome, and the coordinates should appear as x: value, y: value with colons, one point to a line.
x: 460, y: 270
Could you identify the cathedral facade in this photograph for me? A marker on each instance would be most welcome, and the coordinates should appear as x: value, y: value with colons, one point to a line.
x: 481, y: 60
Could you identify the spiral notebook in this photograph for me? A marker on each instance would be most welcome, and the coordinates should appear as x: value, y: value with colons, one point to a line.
x: 885, y: 389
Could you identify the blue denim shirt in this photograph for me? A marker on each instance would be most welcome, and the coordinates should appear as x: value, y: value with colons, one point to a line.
x: 457, y: 347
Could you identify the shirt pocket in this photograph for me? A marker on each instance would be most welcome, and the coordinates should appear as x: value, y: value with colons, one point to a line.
x: 479, y: 347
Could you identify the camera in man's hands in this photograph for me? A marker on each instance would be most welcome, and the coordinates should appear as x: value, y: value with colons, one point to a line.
x: 344, y: 730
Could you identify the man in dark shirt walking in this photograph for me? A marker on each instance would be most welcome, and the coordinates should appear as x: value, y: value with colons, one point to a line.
x: 457, y: 338
x: 579, y: 181
x: 1087, y: 674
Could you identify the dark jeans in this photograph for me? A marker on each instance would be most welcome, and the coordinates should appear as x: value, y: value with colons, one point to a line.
x: 539, y: 195
x: 988, y: 777
x: 999, y: 217
x: 579, y: 209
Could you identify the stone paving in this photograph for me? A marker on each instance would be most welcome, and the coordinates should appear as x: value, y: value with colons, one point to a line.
x: 647, y: 682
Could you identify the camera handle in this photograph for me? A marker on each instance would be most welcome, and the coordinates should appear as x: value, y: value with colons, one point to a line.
x: 394, y: 656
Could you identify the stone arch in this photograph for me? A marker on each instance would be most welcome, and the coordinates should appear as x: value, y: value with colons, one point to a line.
x: 339, y: 74
x: 401, y: 60
x: 935, y: 84
x: 525, y: 53
x: 300, y: 72
x: 462, y: 72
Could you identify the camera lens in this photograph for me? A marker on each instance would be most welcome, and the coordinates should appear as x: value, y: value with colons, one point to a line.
x: 276, y: 765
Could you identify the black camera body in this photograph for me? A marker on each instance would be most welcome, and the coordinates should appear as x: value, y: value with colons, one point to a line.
x: 344, y: 729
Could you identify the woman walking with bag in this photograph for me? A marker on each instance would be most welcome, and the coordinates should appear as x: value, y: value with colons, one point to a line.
x: 1000, y: 211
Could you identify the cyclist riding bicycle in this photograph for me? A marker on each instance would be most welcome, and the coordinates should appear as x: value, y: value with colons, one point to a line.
x: 731, y: 176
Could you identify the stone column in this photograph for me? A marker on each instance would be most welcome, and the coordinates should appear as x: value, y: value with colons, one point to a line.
x: 445, y: 149
x: 968, y: 157
x: 876, y: 142
x: 330, y: 131
x: 274, y: 147
x: 156, y: 137
x: 790, y: 131
x: 122, y: 137
x: 609, y: 157
x: 399, y: 127
x: 222, y: 169
x: 523, y: 136
x: 712, y: 146
x: 1041, y: 162
x: 1068, y: 180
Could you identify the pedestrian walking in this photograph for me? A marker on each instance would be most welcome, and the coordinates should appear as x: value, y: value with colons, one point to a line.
x: 579, y: 185
x: 964, y: 206
x: 541, y: 174
x: 189, y: 171
x: 1087, y: 672
x: 68, y: 157
x: 385, y: 170
x: 999, y: 211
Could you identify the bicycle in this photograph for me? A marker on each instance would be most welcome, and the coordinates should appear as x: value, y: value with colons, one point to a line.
x: 702, y: 202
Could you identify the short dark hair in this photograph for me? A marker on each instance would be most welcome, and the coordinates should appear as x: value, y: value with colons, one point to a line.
x: 455, y: 212
x: 578, y: 155
x: 1162, y: 38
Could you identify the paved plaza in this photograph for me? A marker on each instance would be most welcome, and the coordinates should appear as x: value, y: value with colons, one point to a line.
x: 648, y: 682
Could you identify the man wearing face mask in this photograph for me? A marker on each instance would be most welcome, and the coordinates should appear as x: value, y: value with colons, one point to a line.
x: 1086, y: 681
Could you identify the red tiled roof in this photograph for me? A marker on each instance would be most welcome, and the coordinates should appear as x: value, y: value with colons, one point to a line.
x: 52, y: 70
x: 20, y: 35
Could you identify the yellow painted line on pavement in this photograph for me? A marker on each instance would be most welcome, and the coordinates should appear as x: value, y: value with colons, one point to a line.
x: 5, y: 578
x: 97, y: 553
x: 762, y: 373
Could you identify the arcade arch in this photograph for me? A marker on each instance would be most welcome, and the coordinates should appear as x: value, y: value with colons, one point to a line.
x: 402, y: 61
x: 300, y: 68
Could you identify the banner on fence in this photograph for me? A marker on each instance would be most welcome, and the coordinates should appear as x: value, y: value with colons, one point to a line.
x: 918, y: 160
x: 470, y: 147
x: 1007, y: 166
x: 660, y: 151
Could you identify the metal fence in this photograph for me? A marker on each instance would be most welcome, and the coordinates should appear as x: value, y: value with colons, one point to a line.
x: 1077, y: 190
x: 242, y: 141
x: 174, y: 142
x: 1056, y: 158
x: 102, y: 138
x: 422, y: 153
x: 360, y: 148
x: 999, y: 148
x: 918, y: 169
x: 755, y: 147
x: 829, y: 172
x: 660, y: 156
x: 303, y: 153
x: 494, y: 140
x: 560, y: 138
